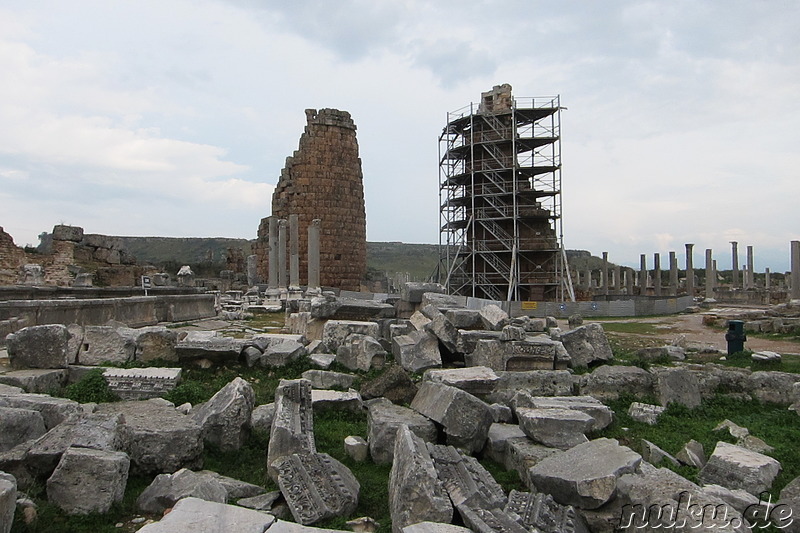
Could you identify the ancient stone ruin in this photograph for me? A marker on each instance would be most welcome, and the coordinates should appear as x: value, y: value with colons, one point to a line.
x: 322, y: 180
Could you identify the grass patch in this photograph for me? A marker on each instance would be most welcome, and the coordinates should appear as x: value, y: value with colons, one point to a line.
x: 678, y: 424
x: 330, y: 430
x: 266, y: 320
x: 92, y: 388
x: 248, y: 464
x: 50, y: 519
x: 637, y: 328
x: 199, y: 385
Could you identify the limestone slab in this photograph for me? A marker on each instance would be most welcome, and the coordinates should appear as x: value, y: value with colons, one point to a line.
x: 585, y: 476
x: 193, y: 515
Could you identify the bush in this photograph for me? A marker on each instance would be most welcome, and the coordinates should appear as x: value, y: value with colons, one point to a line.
x: 92, y: 388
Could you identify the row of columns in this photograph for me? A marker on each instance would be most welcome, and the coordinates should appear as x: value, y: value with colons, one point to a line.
x: 284, y: 236
x: 643, y: 278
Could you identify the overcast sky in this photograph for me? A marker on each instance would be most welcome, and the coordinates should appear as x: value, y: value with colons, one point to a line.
x: 174, y: 117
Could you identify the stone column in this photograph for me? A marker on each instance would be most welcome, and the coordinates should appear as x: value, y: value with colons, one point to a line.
x: 673, y: 274
x: 587, y: 279
x: 282, y: 230
x: 657, y: 274
x: 643, y: 275
x: 709, y: 274
x: 766, y: 279
x: 629, y: 273
x: 617, y: 279
x: 252, y: 270
x: 272, y: 244
x: 604, y: 274
x: 735, y: 263
x: 751, y: 278
x: 689, y: 270
x: 577, y: 278
x: 294, y: 253
x: 313, y: 254
x: 795, y: 294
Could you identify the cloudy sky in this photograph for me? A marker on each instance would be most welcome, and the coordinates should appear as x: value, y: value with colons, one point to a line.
x: 174, y: 117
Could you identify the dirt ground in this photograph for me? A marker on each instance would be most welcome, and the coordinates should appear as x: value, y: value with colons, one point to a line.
x: 690, y: 329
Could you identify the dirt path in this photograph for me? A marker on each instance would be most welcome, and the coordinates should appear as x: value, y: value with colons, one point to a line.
x: 691, y: 328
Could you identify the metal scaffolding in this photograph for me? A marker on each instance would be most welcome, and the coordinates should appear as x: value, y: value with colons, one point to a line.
x: 500, y: 199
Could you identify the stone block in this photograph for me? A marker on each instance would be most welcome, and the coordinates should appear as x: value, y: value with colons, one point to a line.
x: 466, y: 419
x: 464, y: 318
x: 156, y: 343
x: 141, y: 383
x: 601, y: 414
x: 554, y: 427
x: 655, y: 455
x: 415, y: 492
x: 361, y: 352
x: 435, y: 527
x: 440, y: 326
x: 97, y: 431
x: 384, y: 419
x: 103, y: 344
x: 417, y: 351
x: 587, y: 345
x: 167, y: 489
x: 537, y: 382
x: 677, y: 385
x: 194, y: 515
x: 668, y: 353
x: 225, y: 418
x: 236, y: 489
x: 18, y: 426
x: 335, y: 332
x: 39, y: 347
x: 522, y: 454
x: 419, y: 321
x: 607, y: 382
x: 468, y: 339
x: 8, y: 501
x: 658, y: 499
x: 316, y: 486
x: 540, y: 512
x: 88, y: 481
x: 692, y: 454
x: 774, y: 387
x: 493, y: 317
x: 262, y: 416
x: 585, y: 476
x: 488, y: 520
x: 321, y: 379
x: 497, y: 440
x: 208, y: 345
x: 279, y: 355
x: 36, y: 380
x: 735, y: 467
x: 54, y: 410
x: 62, y: 232
x: 412, y: 291
x: 356, y: 448
x: 293, y: 426
x: 466, y: 481
x: 477, y: 380
x: 156, y: 437
x: 645, y: 413
x: 534, y: 353
x: 332, y: 400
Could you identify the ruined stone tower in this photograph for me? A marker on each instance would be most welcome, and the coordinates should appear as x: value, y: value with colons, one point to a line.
x: 323, y: 180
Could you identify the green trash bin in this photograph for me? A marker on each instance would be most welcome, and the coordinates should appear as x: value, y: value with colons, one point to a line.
x: 735, y: 336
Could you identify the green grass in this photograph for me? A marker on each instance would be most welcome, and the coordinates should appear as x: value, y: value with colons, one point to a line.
x: 677, y: 425
x: 92, y: 388
x: 50, y: 519
x: 638, y: 328
x: 330, y: 430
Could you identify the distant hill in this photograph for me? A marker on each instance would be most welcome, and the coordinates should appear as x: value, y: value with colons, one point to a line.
x: 183, y: 250
x: 419, y: 260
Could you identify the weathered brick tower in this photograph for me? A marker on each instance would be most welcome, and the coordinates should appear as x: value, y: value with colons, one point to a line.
x: 323, y: 180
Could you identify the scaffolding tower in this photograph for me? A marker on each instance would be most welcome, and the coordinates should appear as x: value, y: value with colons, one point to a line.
x: 500, y: 199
